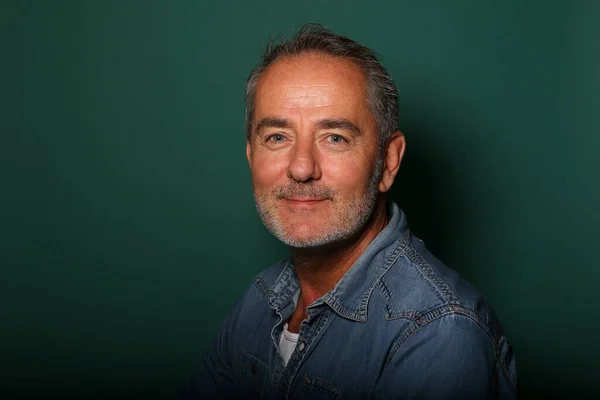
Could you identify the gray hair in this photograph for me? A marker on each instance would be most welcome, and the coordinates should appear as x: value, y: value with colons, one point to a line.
x: 382, y: 95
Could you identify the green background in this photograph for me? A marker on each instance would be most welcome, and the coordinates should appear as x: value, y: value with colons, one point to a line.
x: 127, y: 223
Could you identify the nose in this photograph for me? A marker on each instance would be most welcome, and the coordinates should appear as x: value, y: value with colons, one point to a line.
x: 303, y: 165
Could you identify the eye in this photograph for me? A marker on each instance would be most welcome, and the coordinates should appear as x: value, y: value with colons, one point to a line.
x: 336, y: 139
x: 276, y: 138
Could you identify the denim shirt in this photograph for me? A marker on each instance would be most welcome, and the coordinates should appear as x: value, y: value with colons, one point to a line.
x: 399, y: 324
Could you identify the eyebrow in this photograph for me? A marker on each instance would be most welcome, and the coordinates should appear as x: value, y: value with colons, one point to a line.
x: 339, y: 124
x: 323, y: 124
x: 272, y: 123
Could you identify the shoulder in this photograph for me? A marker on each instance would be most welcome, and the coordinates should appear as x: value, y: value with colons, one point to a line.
x: 265, y: 281
x: 421, y: 288
x: 444, y: 312
x: 253, y: 304
x: 260, y: 290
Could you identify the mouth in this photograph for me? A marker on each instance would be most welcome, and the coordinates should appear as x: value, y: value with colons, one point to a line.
x: 305, y: 202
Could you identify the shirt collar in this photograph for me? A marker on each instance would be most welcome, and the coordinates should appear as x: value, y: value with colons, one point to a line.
x: 350, y: 296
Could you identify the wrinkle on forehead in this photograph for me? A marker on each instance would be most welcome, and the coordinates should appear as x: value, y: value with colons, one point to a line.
x: 301, y: 96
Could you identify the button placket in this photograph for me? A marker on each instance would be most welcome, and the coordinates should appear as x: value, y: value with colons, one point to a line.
x: 310, y: 330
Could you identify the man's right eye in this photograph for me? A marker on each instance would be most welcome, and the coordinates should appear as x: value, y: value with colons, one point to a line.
x: 276, y: 138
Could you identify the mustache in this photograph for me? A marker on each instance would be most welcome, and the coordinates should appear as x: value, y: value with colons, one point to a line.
x: 304, y: 190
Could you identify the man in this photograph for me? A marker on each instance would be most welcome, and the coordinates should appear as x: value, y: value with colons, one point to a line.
x: 361, y: 309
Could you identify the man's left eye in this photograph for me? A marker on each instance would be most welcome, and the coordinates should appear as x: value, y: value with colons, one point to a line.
x: 336, y: 139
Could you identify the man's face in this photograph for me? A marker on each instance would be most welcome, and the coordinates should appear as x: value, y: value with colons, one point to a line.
x: 313, y: 150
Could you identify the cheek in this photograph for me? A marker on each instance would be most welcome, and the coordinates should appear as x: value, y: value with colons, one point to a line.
x: 267, y: 171
x: 349, y: 175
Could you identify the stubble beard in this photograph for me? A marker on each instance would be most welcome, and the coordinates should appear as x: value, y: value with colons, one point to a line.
x: 345, y: 222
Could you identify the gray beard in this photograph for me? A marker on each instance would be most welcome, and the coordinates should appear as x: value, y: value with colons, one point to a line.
x: 347, y: 222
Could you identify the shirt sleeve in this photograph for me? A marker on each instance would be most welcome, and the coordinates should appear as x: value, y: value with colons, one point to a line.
x: 451, y: 357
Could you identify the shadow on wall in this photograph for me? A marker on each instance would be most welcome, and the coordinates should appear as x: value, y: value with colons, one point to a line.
x: 431, y: 200
x: 420, y: 194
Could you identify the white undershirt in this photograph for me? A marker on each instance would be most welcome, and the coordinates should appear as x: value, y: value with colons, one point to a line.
x: 287, y: 343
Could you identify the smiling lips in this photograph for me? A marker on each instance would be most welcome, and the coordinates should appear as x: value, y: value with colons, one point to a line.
x: 304, y: 201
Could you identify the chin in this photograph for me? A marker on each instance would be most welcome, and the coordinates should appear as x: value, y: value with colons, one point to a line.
x: 310, y: 236
x: 303, y: 242
x: 299, y: 234
x: 304, y: 234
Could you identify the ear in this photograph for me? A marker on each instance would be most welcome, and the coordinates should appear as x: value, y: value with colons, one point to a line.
x: 392, y: 157
x: 249, y: 152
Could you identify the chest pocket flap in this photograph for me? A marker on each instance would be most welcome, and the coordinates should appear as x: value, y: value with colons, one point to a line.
x: 319, y: 389
x: 254, y: 372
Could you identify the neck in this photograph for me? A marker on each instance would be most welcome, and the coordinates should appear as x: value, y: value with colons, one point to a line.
x: 320, y: 269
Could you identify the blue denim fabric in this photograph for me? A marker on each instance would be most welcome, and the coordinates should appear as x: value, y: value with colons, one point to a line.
x: 399, y: 324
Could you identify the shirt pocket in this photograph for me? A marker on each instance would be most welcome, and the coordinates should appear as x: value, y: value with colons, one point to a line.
x: 319, y: 389
x: 253, y: 374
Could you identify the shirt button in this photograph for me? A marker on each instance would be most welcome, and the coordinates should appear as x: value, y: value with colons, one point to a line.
x: 301, y: 346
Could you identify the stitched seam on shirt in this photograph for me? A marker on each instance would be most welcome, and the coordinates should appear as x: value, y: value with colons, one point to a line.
x: 389, y: 262
x: 323, y: 386
x: 502, y: 361
x: 384, y: 291
x: 389, y: 314
x: 285, y: 275
x: 259, y: 283
x: 433, y: 315
x: 430, y: 275
x: 360, y: 313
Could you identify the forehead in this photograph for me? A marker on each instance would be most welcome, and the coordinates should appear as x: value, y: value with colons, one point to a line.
x: 311, y: 80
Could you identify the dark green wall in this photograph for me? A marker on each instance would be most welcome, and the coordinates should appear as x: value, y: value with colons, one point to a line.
x: 127, y: 222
